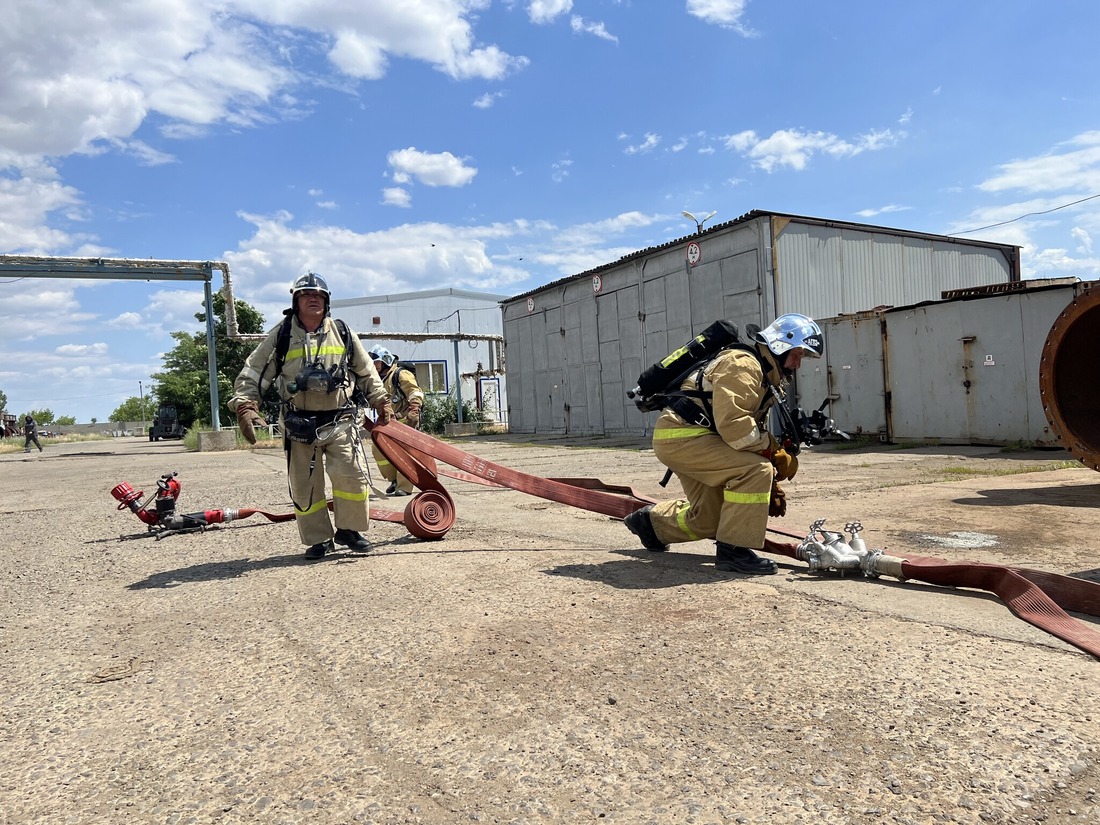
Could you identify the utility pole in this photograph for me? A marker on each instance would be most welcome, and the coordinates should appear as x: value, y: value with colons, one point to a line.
x: 141, y: 393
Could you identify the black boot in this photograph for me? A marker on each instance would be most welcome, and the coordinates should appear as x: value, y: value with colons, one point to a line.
x: 354, y: 541
x: 640, y: 525
x: 732, y: 559
x: 318, y: 551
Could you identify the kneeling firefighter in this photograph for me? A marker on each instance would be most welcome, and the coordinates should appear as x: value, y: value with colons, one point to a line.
x: 320, y: 368
x: 407, y: 399
x: 714, y: 437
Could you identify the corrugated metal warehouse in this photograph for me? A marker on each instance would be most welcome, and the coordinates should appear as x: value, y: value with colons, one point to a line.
x: 452, y: 336
x: 574, y: 347
x: 964, y: 370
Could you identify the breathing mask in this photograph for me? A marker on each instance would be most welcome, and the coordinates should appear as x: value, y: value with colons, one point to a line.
x: 315, y: 378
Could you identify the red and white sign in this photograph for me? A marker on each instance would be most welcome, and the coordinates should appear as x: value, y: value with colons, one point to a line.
x: 530, y: 304
x: 694, y: 253
x: 597, y: 284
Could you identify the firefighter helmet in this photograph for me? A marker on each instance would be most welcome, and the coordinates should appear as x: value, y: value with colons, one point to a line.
x: 380, y: 353
x: 310, y: 282
x: 793, y: 331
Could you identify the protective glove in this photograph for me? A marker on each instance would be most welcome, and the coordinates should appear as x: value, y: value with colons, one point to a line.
x: 384, y: 411
x: 786, y: 465
x: 248, y: 419
x: 777, y: 507
x: 412, y: 417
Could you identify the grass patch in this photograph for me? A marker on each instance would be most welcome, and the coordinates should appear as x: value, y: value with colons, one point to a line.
x: 1011, y: 471
x: 15, y: 445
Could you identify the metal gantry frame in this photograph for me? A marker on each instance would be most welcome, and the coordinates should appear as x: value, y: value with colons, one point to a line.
x: 130, y: 269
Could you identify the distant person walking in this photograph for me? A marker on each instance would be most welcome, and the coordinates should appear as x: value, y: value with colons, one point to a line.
x: 30, y: 433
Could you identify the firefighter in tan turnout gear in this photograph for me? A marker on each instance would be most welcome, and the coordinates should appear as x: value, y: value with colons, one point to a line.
x: 731, y: 469
x: 317, y: 365
x: 407, y: 399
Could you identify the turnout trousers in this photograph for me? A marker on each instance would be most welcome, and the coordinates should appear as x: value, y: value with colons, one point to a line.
x: 389, y: 472
x: 727, y: 490
x: 342, y: 460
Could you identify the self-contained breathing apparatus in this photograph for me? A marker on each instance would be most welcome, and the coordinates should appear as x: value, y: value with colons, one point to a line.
x: 659, y: 387
x: 308, y: 427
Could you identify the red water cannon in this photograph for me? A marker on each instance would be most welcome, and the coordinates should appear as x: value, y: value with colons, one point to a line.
x: 159, y: 511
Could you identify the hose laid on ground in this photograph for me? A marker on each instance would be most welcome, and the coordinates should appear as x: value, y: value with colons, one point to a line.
x: 1039, y: 598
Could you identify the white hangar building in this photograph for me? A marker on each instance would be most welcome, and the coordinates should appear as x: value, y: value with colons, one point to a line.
x: 576, y: 346
x: 452, y: 336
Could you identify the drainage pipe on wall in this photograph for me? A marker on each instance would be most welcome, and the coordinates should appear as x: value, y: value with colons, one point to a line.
x: 1068, y: 386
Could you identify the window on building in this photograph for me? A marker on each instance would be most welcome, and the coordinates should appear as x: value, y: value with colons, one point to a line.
x: 431, y: 376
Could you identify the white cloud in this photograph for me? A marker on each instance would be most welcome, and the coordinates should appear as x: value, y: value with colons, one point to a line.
x: 486, y: 100
x: 647, y: 145
x: 559, y: 171
x: 440, y: 169
x: 546, y: 11
x: 582, y: 26
x: 81, y: 349
x: 1074, y: 164
x: 724, y: 13
x: 127, y: 320
x: 882, y: 210
x: 793, y: 149
x: 396, y: 196
x: 1084, y: 240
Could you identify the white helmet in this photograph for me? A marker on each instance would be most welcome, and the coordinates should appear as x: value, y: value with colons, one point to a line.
x: 380, y: 353
x: 793, y: 331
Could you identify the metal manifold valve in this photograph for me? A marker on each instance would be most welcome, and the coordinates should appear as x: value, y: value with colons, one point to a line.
x: 831, y: 552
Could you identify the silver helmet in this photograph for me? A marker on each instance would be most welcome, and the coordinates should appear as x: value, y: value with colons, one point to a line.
x: 793, y: 331
x: 380, y: 353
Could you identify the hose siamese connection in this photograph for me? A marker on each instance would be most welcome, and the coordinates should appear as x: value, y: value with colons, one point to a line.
x: 827, y: 551
x: 1039, y: 598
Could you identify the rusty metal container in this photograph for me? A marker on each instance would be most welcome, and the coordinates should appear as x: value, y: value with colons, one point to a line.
x: 1068, y: 381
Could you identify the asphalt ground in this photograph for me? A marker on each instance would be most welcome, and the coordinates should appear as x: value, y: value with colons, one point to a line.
x: 536, y: 665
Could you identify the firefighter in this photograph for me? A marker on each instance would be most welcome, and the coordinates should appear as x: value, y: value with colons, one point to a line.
x: 730, y: 470
x: 319, y: 366
x: 407, y: 399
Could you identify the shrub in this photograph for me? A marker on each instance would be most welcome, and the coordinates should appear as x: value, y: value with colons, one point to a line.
x: 440, y: 410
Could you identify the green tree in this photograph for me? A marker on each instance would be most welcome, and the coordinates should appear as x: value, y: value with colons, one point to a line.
x: 129, y: 410
x: 3, y: 402
x: 65, y: 420
x: 185, y: 380
x: 41, y: 417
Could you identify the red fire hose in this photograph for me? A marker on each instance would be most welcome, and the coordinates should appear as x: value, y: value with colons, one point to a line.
x: 1039, y: 598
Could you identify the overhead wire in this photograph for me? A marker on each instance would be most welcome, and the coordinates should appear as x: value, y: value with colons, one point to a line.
x: 1028, y: 215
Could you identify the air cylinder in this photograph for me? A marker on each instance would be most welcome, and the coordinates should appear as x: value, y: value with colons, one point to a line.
x: 1069, y: 376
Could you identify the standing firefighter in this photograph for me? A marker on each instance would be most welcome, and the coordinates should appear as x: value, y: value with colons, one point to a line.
x: 317, y: 366
x: 407, y: 399
x: 719, y: 447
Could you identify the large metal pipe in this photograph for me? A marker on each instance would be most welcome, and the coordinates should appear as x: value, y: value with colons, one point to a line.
x: 1067, y: 376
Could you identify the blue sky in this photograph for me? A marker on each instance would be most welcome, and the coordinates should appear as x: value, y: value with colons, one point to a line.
x: 497, y: 146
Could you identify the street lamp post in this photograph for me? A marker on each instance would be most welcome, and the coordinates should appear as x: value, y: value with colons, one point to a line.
x: 141, y: 393
x: 698, y: 221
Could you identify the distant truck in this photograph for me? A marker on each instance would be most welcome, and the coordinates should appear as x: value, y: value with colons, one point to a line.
x: 166, y: 424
